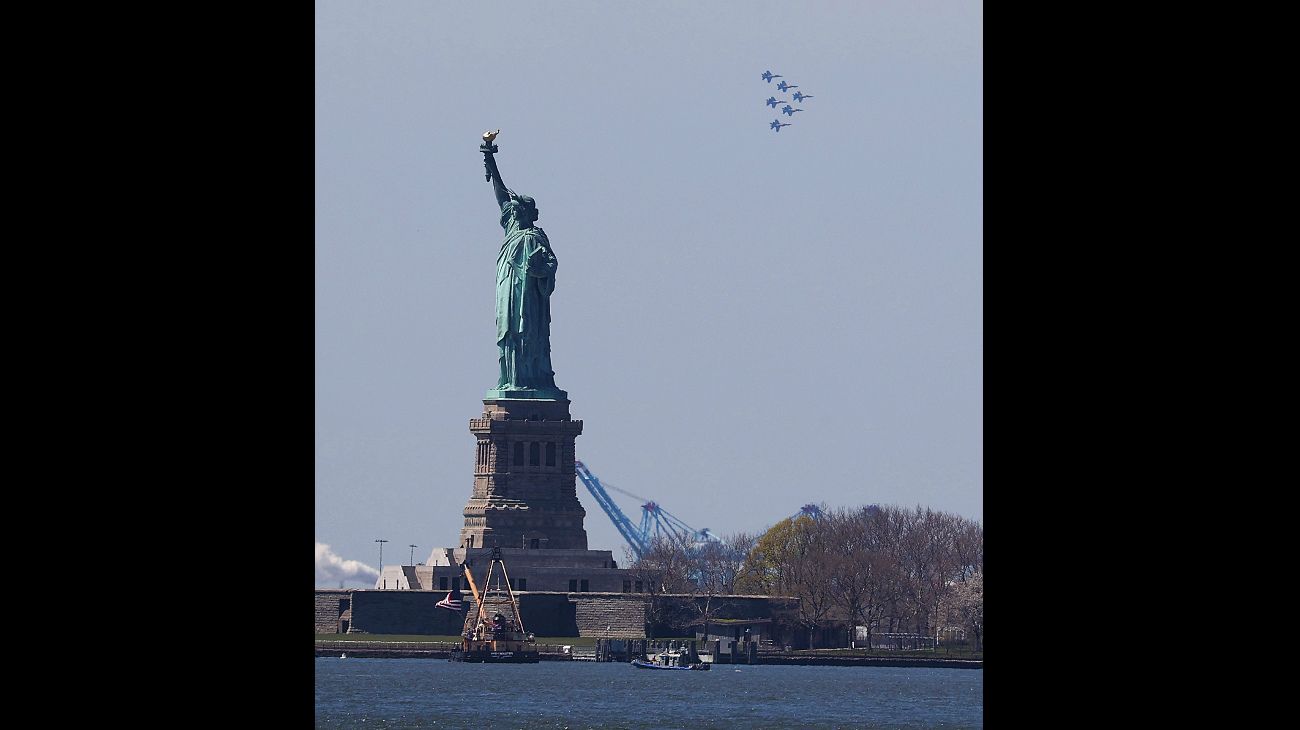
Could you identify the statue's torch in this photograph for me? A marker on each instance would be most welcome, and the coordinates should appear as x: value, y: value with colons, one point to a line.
x: 487, y: 148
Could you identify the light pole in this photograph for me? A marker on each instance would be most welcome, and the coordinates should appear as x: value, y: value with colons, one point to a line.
x: 381, y: 555
x: 413, y: 547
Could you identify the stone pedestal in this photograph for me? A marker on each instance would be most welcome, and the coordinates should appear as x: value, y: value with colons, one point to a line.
x: 525, y: 488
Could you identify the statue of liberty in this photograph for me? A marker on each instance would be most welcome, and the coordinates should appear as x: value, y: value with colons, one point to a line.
x: 525, y: 279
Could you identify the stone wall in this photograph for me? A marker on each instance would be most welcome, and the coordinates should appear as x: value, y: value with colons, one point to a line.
x: 612, y: 615
x: 548, y: 614
x: 328, y: 612
x: 402, y: 612
x: 623, y: 615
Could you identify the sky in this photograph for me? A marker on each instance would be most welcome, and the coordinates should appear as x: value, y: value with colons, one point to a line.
x: 745, y: 320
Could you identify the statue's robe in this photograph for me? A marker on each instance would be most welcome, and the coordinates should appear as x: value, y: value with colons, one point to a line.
x: 525, y: 279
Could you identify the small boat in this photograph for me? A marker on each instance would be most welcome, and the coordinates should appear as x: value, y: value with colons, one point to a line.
x: 673, y: 659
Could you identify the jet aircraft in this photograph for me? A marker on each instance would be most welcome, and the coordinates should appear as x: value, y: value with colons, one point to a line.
x: 789, y: 111
x: 772, y: 101
x: 783, y: 86
x: 768, y: 76
x: 799, y: 96
x: 776, y: 125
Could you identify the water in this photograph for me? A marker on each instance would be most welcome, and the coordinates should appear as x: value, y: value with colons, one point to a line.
x: 433, y: 693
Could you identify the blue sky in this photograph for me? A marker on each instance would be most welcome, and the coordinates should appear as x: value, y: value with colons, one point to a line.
x: 744, y: 320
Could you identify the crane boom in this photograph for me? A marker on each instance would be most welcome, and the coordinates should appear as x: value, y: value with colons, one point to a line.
x: 655, y: 520
x: 636, y: 540
x: 469, y: 577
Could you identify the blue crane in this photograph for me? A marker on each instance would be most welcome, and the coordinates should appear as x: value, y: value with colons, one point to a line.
x: 815, y: 511
x: 620, y: 520
x: 655, y: 520
x: 808, y: 510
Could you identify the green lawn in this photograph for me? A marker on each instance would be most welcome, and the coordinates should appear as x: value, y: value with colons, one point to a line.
x: 424, y: 638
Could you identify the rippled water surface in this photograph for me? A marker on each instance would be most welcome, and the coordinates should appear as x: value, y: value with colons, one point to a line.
x: 408, y: 693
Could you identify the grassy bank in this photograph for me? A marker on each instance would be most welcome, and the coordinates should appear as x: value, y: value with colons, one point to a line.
x: 425, y: 638
x: 941, y: 653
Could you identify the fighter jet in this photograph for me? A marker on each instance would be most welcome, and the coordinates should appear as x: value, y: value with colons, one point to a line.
x: 789, y: 111
x: 799, y: 96
x: 768, y: 76
x: 783, y: 86
x: 772, y: 101
x: 776, y: 125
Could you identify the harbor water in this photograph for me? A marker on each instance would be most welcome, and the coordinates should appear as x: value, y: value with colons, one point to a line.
x: 433, y: 693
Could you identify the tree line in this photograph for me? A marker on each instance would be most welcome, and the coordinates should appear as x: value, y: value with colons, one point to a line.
x: 887, y: 568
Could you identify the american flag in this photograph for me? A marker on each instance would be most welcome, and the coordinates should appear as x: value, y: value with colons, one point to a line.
x: 451, y: 603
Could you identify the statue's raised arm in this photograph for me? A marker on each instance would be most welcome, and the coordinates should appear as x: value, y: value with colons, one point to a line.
x: 491, y: 172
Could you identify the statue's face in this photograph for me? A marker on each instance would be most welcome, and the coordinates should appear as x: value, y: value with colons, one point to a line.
x: 527, y: 210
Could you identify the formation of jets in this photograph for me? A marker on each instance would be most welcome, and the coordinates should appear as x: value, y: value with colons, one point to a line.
x: 773, y: 102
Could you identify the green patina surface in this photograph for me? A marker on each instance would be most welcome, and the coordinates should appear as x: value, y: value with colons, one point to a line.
x: 547, y: 395
x: 526, y: 267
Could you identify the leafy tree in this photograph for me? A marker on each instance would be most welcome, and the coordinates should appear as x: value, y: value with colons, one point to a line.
x: 793, y: 559
x: 767, y: 569
x: 964, y: 606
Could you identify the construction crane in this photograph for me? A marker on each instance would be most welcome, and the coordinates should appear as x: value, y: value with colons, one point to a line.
x: 815, y: 512
x: 620, y: 520
x: 655, y: 520
x: 808, y: 510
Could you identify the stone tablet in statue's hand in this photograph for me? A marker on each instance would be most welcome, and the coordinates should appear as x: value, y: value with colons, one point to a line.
x: 541, y: 263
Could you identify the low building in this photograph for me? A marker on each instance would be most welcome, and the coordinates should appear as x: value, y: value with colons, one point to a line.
x: 545, y: 569
x: 734, y: 629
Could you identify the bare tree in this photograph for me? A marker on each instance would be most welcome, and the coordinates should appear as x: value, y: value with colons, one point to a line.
x: 881, y: 565
x: 663, y: 568
x: 734, y: 559
x: 814, y: 566
x: 866, y: 581
x: 712, y: 575
x: 968, y: 548
x: 928, y: 562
